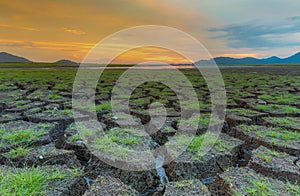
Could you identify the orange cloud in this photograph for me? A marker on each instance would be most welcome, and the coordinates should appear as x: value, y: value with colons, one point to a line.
x: 4, y: 25
x: 74, y: 31
x: 47, y: 45
x: 18, y: 27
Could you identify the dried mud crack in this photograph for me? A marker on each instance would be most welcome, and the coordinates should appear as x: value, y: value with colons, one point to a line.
x: 255, y: 153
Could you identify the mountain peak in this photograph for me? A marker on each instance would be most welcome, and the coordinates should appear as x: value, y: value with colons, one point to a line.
x: 9, y: 58
x: 294, y: 58
x: 273, y: 57
x: 295, y: 55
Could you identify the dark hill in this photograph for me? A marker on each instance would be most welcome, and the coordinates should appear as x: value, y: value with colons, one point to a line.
x: 66, y: 63
x: 9, y: 58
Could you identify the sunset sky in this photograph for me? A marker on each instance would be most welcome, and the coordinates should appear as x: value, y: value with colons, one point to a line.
x: 47, y: 31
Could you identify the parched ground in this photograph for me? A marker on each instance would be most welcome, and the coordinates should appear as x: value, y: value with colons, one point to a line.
x: 43, y: 153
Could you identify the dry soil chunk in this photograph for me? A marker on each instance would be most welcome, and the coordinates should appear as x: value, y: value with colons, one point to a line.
x: 255, y: 116
x: 193, y: 164
x: 292, y: 123
x: 186, y: 188
x: 272, y: 137
x: 20, y: 132
x: 275, y: 164
x: 109, y: 186
x: 245, y: 181
x: 41, y: 155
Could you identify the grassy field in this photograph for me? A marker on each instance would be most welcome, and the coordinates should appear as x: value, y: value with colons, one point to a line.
x: 257, y: 149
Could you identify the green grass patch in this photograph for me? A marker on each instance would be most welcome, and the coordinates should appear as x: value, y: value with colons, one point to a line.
x: 274, y: 134
x: 18, y: 152
x: 104, y: 106
x: 125, y: 136
x: 31, y: 181
x: 198, y: 142
x: 285, y: 121
x: 183, y: 183
x: 105, y: 144
x: 54, y: 97
x: 20, y: 136
x: 67, y: 112
x: 73, y: 138
x: 263, y: 187
x: 278, y: 108
x: 248, y: 128
x: 119, y: 142
x: 283, y: 98
x: 267, y: 155
x: 242, y: 111
x: 199, y: 120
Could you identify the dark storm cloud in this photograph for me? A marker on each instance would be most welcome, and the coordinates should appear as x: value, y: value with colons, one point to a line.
x: 260, y: 36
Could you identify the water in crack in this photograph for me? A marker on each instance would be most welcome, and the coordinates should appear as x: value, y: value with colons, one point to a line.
x: 160, y: 170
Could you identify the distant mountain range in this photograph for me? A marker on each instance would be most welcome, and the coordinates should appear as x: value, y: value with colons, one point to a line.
x: 6, y: 57
x: 9, y: 58
x: 250, y: 60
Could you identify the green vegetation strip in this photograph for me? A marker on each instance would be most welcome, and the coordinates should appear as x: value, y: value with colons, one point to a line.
x: 276, y: 135
x: 31, y: 181
x: 19, y: 136
x: 285, y: 121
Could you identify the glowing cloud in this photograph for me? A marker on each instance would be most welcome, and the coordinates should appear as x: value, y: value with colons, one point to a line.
x: 18, y: 27
x: 74, y: 31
